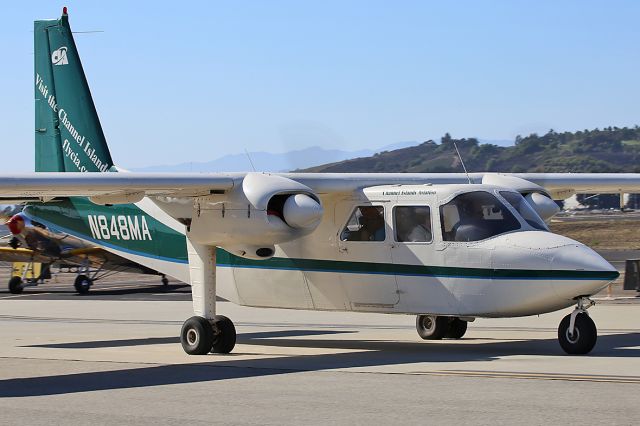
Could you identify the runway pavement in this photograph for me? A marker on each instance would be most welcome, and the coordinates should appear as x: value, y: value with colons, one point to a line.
x: 102, y: 361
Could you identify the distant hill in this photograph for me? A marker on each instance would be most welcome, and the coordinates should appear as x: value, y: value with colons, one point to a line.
x: 272, y: 162
x: 608, y: 150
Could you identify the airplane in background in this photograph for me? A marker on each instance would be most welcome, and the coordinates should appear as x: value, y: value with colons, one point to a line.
x: 32, y: 242
x: 447, y: 248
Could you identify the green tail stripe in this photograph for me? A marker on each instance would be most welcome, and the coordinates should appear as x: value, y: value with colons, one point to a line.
x: 227, y: 259
x: 69, y: 136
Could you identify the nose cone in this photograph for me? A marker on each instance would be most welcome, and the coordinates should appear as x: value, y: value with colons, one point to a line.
x: 578, y: 257
x: 580, y: 271
x: 543, y: 272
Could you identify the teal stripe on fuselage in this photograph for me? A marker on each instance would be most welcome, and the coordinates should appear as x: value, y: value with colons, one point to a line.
x: 225, y: 259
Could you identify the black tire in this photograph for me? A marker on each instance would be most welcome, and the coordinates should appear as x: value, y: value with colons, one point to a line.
x: 457, y: 329
x: 82, y: 284
x: 584, y: 337
x: 196, y: 336
x: 225, y: 337
x: 431, y: 327
x: 15, y: 285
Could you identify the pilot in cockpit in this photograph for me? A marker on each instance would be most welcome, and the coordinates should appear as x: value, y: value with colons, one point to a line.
x: 372, y: 221
x: 472, y: 225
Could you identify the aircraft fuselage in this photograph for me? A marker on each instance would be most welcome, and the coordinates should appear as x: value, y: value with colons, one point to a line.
x: 522, y: 271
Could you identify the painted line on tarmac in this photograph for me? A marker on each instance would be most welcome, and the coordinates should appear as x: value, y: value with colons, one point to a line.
x: 23, y: 295
x: 535, y: 376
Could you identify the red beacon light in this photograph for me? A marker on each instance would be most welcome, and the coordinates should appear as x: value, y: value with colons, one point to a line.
x: 64, y: 10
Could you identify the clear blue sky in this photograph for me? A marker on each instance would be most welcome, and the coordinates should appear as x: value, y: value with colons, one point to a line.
x: 192, y: 81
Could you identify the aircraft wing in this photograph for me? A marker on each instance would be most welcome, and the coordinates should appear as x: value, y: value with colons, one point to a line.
x: 130, y: 187
x: 101, y: 259
x: 8, y: 254
x: 97, y: 257
x: 49, y: 185
x: 552, y: 182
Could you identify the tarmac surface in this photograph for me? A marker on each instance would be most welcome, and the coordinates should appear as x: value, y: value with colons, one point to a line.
x: 113, y: 357
x: 114, y: 360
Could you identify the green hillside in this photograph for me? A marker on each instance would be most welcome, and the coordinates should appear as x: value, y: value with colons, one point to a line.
x: 608, y: 150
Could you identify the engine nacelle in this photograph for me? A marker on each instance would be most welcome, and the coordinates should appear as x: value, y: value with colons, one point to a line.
x: 251, y: 219
x: 543, y: 205
x: 535, y: 195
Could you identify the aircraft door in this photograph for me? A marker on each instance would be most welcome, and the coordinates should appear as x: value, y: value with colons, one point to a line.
x: 416, y: 259
x: 364, y: 256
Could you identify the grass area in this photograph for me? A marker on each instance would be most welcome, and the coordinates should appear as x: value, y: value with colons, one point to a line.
x: 602, y: 233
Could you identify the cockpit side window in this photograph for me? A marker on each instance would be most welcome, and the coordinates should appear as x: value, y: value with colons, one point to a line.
x: 365, y: 224
x: 475, y: 216
x: 412, y: 224
x: 527, y: 212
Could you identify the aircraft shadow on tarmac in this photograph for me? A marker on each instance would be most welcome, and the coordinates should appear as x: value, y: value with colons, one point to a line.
x: 224, y: 367
x: 106, y: 291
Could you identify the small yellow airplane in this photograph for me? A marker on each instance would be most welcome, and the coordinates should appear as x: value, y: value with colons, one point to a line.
x: 32, y: 243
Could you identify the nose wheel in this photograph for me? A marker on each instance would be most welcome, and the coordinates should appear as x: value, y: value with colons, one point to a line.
x: 577, y: 333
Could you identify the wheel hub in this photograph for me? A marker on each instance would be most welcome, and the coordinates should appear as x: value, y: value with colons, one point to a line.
x: 428, y: 323
x: 192, y: 337
x: 573, y: 337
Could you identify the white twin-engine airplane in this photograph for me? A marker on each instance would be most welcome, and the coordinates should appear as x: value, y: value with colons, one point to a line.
x: 447, y: 248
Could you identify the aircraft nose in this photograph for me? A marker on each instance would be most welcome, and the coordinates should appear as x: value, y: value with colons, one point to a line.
x: 580, y: 271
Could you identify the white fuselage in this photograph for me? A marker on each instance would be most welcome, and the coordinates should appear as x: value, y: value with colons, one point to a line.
x: 519, y: 273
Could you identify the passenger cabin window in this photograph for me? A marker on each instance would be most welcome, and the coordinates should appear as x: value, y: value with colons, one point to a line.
x: 412, y: 224
x: 475, y: 216
x: 365, y: 224
x: 527, y: 212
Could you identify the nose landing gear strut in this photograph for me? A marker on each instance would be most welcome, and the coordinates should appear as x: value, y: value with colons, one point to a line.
x: 577, y: 333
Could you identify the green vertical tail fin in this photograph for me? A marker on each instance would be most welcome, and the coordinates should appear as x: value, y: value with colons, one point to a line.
x: 69, y: 136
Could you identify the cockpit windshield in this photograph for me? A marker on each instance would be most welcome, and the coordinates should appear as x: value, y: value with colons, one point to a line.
x: 527, y: 212
x: 475, y: 216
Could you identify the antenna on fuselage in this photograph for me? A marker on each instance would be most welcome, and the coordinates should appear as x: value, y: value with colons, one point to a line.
x: 462, y: 162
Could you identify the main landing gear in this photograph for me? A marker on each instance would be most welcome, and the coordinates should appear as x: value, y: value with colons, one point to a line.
x: 433, y: 327
x: 17, y: 283
x: 200, y: 336
x: 206, y: 332
x: 83, y: 284
x: 577, y: 333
